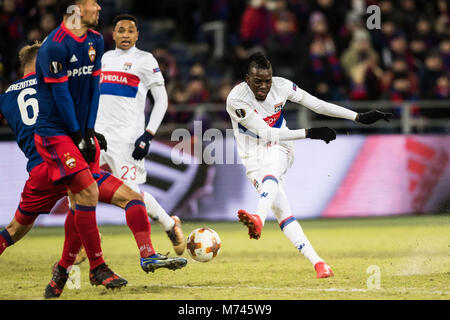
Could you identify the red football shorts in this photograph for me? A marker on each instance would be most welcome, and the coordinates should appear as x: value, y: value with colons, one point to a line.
x: 64, y: 160
x: 40, y: 194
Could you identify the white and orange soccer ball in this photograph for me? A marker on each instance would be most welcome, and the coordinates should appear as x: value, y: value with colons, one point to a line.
x: 203, y: 244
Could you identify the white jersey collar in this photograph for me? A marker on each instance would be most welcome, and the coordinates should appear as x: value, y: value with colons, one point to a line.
x: 131, y: 50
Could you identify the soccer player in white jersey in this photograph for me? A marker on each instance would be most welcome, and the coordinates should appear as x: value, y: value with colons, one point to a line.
x: 128, y: 73
x: 266, y: 149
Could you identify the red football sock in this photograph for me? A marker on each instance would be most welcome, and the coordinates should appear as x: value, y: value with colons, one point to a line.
x: 72, y: 241
x: 5, y: 240
x: 86, y: 225
x: 139, y: 224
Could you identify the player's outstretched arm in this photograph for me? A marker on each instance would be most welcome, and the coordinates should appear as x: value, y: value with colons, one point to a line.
x: 329, y: 109
x: 255, y: 124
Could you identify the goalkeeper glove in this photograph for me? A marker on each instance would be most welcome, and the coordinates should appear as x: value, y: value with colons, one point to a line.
x: 373, y: 116
x: 142, y: 145
x: 101, y: 141
x: 323, y: 133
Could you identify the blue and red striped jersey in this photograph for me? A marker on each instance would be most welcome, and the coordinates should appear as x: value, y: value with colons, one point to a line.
x: 68, y: 71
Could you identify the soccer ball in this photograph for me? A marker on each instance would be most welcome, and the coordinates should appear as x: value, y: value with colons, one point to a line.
x: 203, y: 244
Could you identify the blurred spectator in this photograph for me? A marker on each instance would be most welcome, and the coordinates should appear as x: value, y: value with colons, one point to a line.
x: 222, y: 91
x: 418, y: 48
x: 318, y: 30
x: 178, y: 95
x: 360, y: 63
x: 353, y: 23
x: 301, y: 10
x: 197, y: 90
x: 424, y: 31
x: 167, y: 63
x: 47, y: 3
x: 398, y: 49
x: 11, y: 34
x: 401, y: 90
x: 48, y: 23
x: 399, y: 70
x: 333, y: 12
x: 382, y: 38
x: 401, y: 82
x: 442, y: 22
x: 220, y: 97
x: 257, y: 23
x: 407, y: 15
x: 34, y: 35
x: 434, y: 85
x: 320, y: 73
x: 442, y: 90
x: 277, y: 6
x: 386, y: 8
x: 444, y: 49
x: 429, y: 73
x: 400, y: 85
x: 197, y: 70
x: 11, y: 21
x: 284, y: 47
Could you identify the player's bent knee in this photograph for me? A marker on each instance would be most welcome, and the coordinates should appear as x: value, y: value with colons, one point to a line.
x: 18, y: 230
x: 125, y: 195
x: 88, y: 196
x: 80, y: 181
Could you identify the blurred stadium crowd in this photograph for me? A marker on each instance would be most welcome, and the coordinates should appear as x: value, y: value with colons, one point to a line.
x: 324, y: 46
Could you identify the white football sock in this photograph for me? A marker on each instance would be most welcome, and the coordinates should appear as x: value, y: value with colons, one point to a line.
x: 294, y: 233
x: 269, y: 190
x: 156, y: 212
x: 290, y: 226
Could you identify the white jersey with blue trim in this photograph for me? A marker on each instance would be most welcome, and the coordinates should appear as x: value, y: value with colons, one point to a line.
x: 126, y: 78
x: 242, y: 100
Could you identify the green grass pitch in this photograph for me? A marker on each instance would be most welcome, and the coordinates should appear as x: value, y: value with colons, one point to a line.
x: 408, y: 255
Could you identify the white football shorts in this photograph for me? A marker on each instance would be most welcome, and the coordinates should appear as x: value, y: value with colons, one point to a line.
x: 265, y: 161
x: 118, y: 157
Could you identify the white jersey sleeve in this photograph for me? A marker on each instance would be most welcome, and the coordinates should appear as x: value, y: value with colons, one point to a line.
x: 150, y: 73
x: 242, y: 113
x: 313, y: 103
x: 159, y: 95
x: 238, y: 109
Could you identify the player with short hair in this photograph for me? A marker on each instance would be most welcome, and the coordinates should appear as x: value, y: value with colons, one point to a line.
x: 20, y: 108
x: 68, y: 67
x: 265, y: 145
x: 128, y: 73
